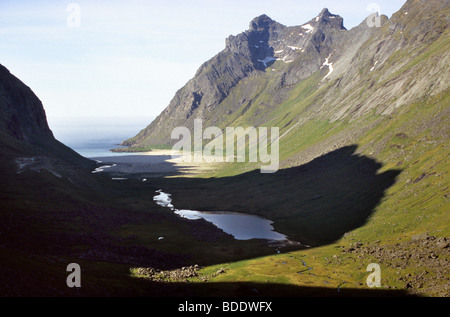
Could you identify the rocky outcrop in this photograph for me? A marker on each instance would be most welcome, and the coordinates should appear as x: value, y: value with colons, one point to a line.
x: 177, y: 275
x: 184, y: 274
x: 423, y: 253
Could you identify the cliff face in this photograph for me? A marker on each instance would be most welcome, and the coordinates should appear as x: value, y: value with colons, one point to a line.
x: 24, y: 131
x: 356, y: 71
x: 22, y: 114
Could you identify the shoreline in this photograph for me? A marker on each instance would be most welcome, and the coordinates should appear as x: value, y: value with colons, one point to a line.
x: 155, y: 163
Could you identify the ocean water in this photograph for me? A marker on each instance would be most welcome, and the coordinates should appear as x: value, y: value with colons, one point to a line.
x: 96, y: 136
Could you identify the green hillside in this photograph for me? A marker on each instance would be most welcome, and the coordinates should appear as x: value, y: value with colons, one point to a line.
x: 363, y: 118
x: 364, y: 164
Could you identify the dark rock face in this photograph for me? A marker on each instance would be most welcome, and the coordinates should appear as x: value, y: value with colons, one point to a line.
x: 22, y: 114
x: 24, y: 131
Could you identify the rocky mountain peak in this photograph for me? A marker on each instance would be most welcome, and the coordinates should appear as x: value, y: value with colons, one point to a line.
x: 325, y: 12
x: 263, y: 22
x: 283, y: 56
x: 327, y: 19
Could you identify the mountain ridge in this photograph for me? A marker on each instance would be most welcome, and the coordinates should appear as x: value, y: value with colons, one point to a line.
x: 269, y: 60
x: 244, y: 54
x: 363, y: 117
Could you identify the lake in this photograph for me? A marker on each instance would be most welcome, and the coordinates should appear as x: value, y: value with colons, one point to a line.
x: 240, y: 225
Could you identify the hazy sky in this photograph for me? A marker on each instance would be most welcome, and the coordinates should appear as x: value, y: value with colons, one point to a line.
x: 119, y: 58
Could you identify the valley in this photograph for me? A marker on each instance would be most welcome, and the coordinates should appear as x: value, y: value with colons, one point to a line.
x: 362, y: 175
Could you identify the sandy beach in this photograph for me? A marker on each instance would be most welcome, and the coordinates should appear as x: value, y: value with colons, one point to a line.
x: 156, y: 163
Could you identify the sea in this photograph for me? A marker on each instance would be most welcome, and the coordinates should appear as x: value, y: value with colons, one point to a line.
x: 96, y: 136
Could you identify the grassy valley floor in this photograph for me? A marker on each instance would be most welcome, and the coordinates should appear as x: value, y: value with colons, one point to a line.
x: 380, y: 198
x: 405, y: 228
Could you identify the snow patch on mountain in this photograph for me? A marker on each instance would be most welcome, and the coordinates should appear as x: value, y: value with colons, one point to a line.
x: 330, y: 66
x: 266, y: 60
x: 308, y: 28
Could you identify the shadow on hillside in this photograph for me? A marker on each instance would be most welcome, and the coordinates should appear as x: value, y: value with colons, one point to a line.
x: 315, y: 203
x: 102, y: 279
x: 172, y: 293
x: 261, y: 290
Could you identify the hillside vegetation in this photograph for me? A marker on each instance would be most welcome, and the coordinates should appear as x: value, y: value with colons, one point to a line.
x: 363, y: 177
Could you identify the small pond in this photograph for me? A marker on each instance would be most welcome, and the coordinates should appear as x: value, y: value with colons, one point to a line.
x: 240, y: 225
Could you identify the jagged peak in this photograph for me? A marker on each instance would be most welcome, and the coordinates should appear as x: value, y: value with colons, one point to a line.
x: 261, y: 22
x: 325, y: 12
x: 326, y: 17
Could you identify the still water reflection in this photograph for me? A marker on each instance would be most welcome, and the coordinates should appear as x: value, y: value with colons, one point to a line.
x: 240, y: 225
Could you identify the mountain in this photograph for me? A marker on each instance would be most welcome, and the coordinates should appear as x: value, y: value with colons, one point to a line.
x: 364, y: 178
x: 24, y: 132
x: 247, y: 56
x: 381, y: 93
x: 352, y: 72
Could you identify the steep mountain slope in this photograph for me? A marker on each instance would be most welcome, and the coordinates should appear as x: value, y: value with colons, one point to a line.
x: 247, y: 57
x: 384, y: 90
x: 345, y: 74
x: 24, y: 131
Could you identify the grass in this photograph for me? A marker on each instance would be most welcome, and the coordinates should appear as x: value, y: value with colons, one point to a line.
x: 377, y: 180
x: 416, y: 202
x: 397, y: 174
x: 412, y: 205
x: 142, y: 148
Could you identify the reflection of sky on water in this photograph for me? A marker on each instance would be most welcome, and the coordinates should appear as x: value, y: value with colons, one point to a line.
x: 241, y: 226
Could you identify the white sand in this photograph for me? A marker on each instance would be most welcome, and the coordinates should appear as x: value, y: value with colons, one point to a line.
x: 160, y: 162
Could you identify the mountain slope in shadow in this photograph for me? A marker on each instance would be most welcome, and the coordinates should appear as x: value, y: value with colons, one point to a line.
x: 315, y: 203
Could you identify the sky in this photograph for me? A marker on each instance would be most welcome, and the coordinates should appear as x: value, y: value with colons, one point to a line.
x: 128, y: 58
